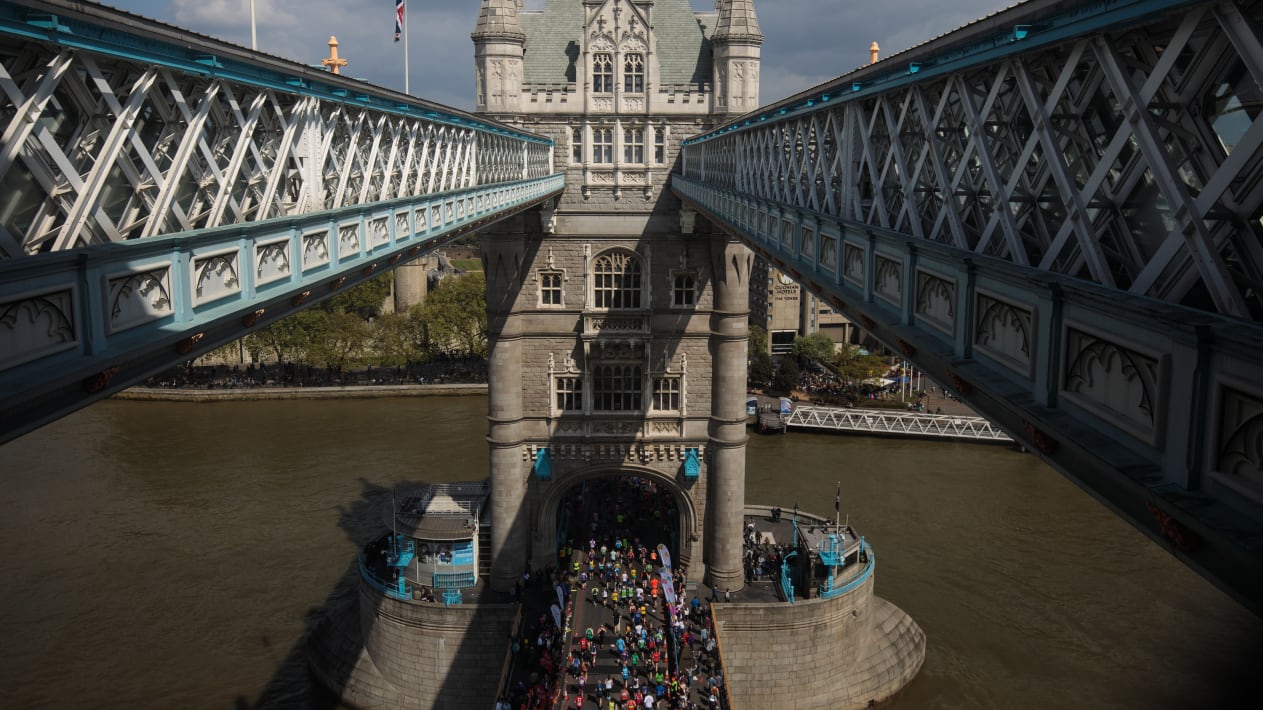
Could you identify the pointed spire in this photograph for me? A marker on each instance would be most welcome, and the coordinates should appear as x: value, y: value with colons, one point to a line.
x: 737, y: 22
x: 497, y: 19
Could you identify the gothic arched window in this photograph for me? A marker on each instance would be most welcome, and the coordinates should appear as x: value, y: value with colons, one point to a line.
x: 616, y: 281
x: 634, y: 73
x: 602, y: 73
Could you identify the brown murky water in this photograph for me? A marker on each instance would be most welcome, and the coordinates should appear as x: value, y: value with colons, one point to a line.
x: 167, y: 555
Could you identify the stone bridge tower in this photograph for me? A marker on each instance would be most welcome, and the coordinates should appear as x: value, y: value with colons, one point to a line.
x: 618, y: 322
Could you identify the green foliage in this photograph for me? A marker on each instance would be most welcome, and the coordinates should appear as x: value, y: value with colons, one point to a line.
x: 758, y: 341
x: 288, y: 339
x: 761, y: 369
x: 468, y: 264
x: 398, y: 339
x: 787, y: 375
x: 364, y: 300
x: 856, y: 367
x: 816, y: 347
x: 455, y: 315
x: 341, y: 342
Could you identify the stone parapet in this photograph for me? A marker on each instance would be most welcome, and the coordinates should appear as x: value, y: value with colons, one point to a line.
x: 845, y: 652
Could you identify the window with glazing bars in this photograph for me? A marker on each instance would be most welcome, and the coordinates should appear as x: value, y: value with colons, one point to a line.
x: 569, y: 391
x: 550, y: 288
x: 666, y: 394
x: 616, y: 388
x: 616, y: 281
x: 602, y: 145
x: 634, y: 73
x: 659, y: 145
x: 576, y: 144
x: 633, y: 145
x: 684, y: 289
x: 602, y: 73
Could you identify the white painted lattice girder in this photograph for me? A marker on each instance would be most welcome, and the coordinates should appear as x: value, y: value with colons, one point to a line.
x: 103, y: 149
x: 868, y: 421
x: 1129, y: 158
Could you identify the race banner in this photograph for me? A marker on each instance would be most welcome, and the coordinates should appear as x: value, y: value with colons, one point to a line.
x: 664, y: 556
x: 668, y: 587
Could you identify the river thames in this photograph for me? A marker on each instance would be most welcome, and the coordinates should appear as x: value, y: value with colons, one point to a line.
x: 171, y: 554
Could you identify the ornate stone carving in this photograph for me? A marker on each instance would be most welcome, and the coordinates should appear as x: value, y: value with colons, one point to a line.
x: 348, y: 239
x: 1119, y: 382
x: 1004, y: 330
x: 316, y: 249
x: 601, y: 178
x: 888, y: 279
x: 215, y: 277
x: 378, y: 232
x: 36, y: 326
x: 1239, y: 443
x: 271, y: 262
x: 936, y: 301
x: 603, y: 103
x: 140, y: 298
x: 853, y: 263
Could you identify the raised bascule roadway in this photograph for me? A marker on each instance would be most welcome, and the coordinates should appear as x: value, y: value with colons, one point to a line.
x: 1055, y: 211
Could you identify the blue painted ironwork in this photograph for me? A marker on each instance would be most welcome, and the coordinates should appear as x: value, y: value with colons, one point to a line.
x: 543, y: 465
x: 454, y: 580
x: 988, y: 45
x: 692, y: 465
x: 402, y: 551
x: 828, y: 591
x: 396, y: 589
x: 452, y: 596
x: 1035, y: 218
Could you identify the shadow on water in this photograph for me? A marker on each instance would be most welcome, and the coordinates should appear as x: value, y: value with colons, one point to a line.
x: 472, y: 639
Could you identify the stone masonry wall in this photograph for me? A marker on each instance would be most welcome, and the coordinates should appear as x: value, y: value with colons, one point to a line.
x: 818, y: 653
x: 439, y: 656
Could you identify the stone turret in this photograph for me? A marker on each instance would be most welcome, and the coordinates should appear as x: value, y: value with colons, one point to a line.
x: 737, y: 42
x: 499, y: 44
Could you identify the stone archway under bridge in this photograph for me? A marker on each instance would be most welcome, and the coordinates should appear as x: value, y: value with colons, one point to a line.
x: 654, y: 507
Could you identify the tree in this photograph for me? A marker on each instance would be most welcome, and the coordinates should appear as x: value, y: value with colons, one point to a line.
x: 397, y: 339
x: 455, y: 315
x: 761, y: 369
x: 857, y: 367
x: 342, y: 342
x: 287, y: 339
x: 365, y: 299
x: 787, y: 375
x: 816, y: 347
x: 757, y: 342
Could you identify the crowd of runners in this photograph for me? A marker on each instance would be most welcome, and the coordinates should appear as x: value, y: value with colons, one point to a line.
x: 622, y: 633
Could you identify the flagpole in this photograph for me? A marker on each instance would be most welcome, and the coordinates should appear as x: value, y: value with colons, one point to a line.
x: 254, y: 35
x: 406, y: 87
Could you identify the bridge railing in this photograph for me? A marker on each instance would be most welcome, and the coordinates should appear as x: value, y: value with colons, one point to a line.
x: 123, y: 127
x: 1026, y: 209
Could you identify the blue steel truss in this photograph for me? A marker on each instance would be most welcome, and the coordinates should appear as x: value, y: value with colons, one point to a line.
x: 1056, y: 212
x: 162, y: 193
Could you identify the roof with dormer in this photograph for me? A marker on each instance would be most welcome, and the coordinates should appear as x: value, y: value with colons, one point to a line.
x: 553, y: 35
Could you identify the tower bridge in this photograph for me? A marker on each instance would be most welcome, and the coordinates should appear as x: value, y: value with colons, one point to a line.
x: 1054, y: 211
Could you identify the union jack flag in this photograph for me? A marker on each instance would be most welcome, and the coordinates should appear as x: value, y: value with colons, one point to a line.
x: 398, y: 19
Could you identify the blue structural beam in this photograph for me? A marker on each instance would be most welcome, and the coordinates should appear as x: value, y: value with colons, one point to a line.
x: 88, y: 322
x: 1123, y: 394
x: 1054, y: 212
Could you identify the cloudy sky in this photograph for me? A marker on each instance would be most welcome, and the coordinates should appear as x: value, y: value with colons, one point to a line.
x: 807, y: 41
